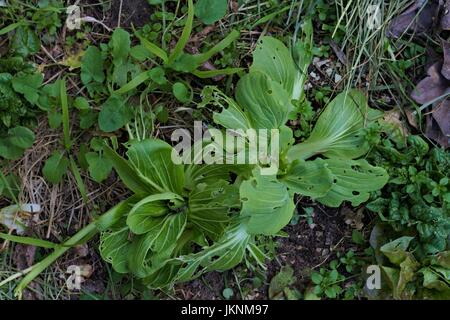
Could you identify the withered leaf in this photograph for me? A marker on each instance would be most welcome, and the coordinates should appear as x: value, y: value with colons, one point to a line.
x: 432, y: 87
x: 445, y: 19
x: 446, y: 66
x: 418, y: 18
x: 441, y: 116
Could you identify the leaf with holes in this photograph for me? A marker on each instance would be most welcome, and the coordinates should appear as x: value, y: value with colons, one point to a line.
x: 263, y: 100
x: 151, y: 159
x: 309, y: 178
x: 266, y: 203
x: 353, y: 180
x: 272, y: 58
x: 114, y: 248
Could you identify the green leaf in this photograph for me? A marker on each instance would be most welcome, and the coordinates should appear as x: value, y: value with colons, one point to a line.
x: 127, y: 173
x: 92, y: 66
x: 152, y: 162
x: 149, y: 212
x: 9, y: 186
x: 140, y: 53
x: 25, y: 41
x: 265, y: 101
x: 55, y: 167
x: 134, y: 83
x: 153, y: 48
x: 224, y: 254
x: 99, y: 167
x: 21, y: 137
x: 81, y: 103
x: 185, y: 35
x: 280, y: 281
x: 158, y: 75
x: 309, y: 178
x: 272, y: 58
x: 267, y: 204
x: 114, y: 248
x: 28, y: 85
x: 114, y: 115
x: 152, y: 250
x: 338, y: 131
x: 29, y: 241
x: 232, y: 117
x: 181, y: 92
x: 87, y: 118
x: 227, y: 293
x: 353, y: 180
x: 210, y: 11
x: 120, y: 43
x: 210, y: 205
x: 316, y: 278
x: 16, y: 141
x: 396, y: 250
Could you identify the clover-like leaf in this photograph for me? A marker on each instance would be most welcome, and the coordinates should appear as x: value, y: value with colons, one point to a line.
x: 55, y: 167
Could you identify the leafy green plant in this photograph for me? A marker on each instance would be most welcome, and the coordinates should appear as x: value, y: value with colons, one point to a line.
x: 416, y: 199
x: 406, y: 277
x: 18, y: 87
x: 279, y: 287
x: 113, y: 73
x: 185, y: 220
x: 327, y: 281
x: 264, y: 100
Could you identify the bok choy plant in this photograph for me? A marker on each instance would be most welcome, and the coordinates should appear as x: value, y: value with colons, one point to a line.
x: 187, y: 219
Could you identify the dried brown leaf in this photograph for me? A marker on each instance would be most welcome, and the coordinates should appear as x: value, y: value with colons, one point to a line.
x: 432, y: 87
x: 418, y: 19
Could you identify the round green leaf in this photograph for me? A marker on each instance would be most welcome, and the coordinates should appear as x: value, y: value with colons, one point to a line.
x: 210, y: 11
x: 182, y: 92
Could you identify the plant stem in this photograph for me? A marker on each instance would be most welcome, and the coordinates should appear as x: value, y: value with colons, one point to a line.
x: 107, y: 220
x: 83, y: 235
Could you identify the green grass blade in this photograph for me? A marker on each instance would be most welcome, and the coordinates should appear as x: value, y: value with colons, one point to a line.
x: 11, y: 27
x: 153, y: 48
x: 80, y: 237
x: 232, y: 36
x: 178, y: 50
x: 65, y: 114
x: 214, y: 73
x: 79, y: 181
x: 134, y: 83
x: 29, y: 241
